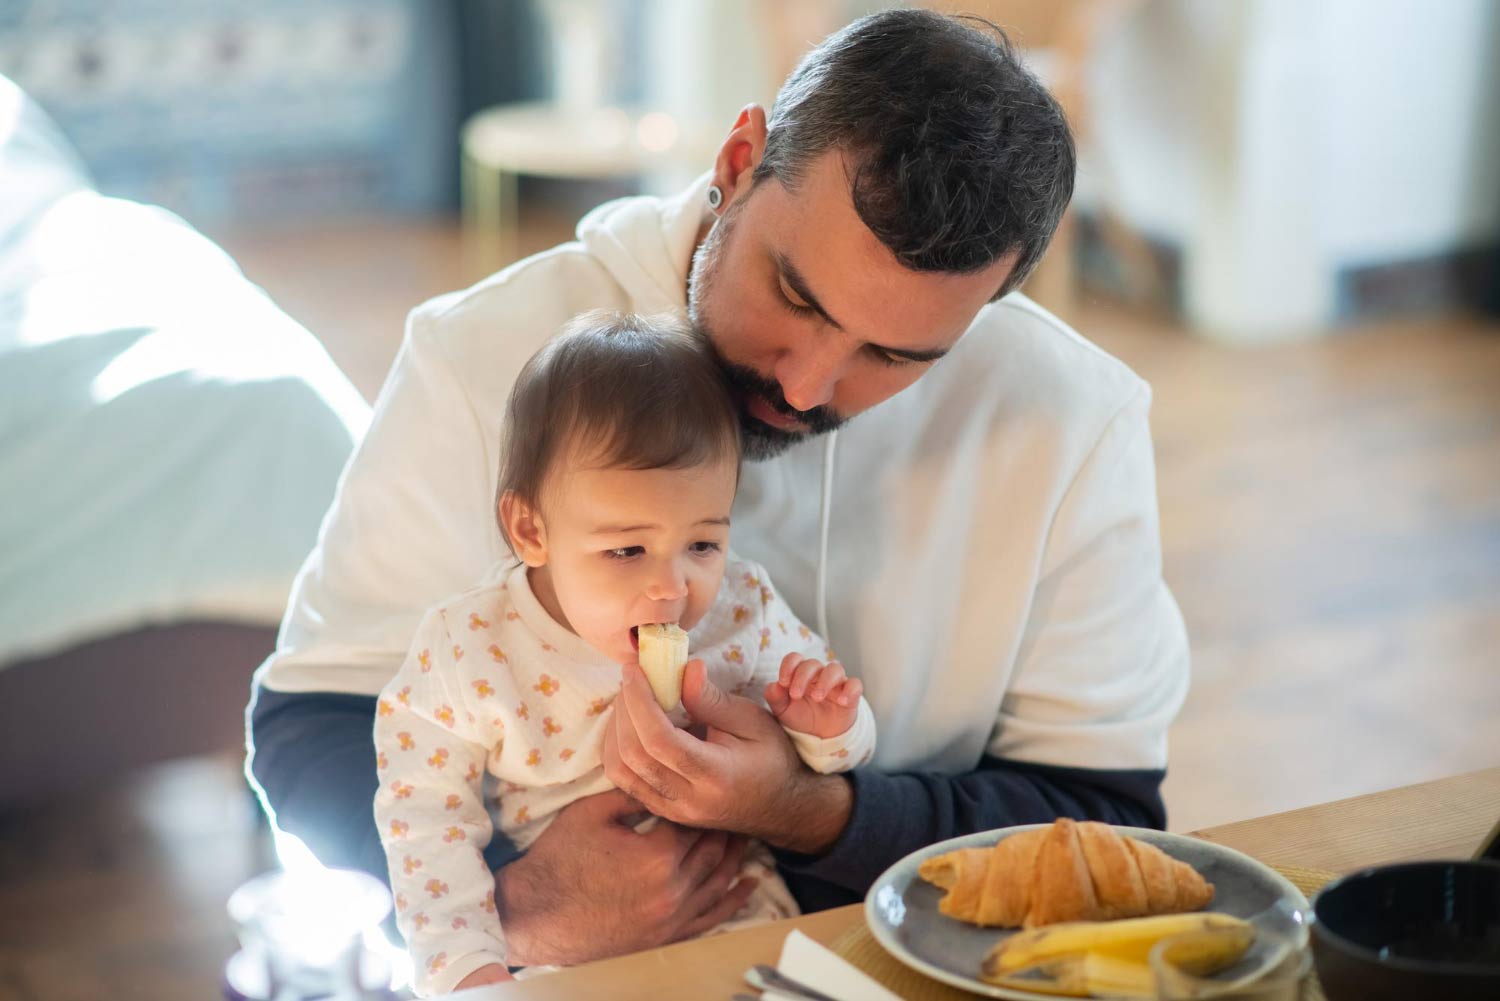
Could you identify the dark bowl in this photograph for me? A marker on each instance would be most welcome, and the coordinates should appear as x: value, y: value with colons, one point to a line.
x: 1419, y: 931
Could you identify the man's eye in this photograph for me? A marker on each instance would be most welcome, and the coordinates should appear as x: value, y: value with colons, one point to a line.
x: 801, y: 309
x: 886, y: 358
x: 624, y: 552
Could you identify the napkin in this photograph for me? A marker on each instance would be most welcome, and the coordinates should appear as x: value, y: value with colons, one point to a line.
x: 804, y: 960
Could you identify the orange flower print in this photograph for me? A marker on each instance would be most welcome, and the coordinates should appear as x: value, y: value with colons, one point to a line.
x: 549, y: 728
x: 483, y: 688
x: 453, y: 802
x: 523, y: 815
x: 425, y: 659
x: 765, y: 596
x: 401, y: 789
x: 522, y: 712
x: 435, y: 887
x: 458, y: 652
x: 549, y: 647
x: 751, y: 581
x: 512, y: 615
x: 438, y: 963
x: 399, y: 828
x: 565, y: 753
x: 734, y: 655
x: 547, y: 685
x: 497, y: 654
x: 534, y: 757
x: 444, y: 715
x: 384, y: 708
x: 382, y: 762
x: 459, y: 923
x: 765, y: 638
x: 741, y: 613
x: 489, y: 903
x: 828, y: 654
x: 410, y: 865
x: 473, y: 772
x: 453, y: 834
x: 420, y: 920
x: 405, y: 741
x: 804, y: 632
x: 476, y: 623
x: 404, y: 696
x: 782, y: 626
x: 400, y: 902
x: 842, y: 752
x: 597, y: 706
x: 439, y: 758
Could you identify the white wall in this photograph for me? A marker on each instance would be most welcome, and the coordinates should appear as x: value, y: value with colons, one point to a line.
x: 1279, y: 141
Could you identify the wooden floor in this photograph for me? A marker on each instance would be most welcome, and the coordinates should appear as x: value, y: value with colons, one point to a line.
x: 1331, y: 525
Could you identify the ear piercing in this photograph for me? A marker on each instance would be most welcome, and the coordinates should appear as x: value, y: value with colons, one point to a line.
x: 715, y: 196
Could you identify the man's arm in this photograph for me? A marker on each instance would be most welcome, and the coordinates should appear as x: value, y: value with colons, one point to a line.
x: 312, y: 758
x: 893, y: 815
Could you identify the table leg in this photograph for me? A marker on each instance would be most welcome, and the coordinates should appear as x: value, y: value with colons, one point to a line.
x: 489, y: 204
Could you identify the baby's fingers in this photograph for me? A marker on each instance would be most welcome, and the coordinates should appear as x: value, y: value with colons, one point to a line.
x: 788, y: 668
x: 803, y: 677
x: 828, y: 679
x: 849, y: 692
x: 776, y: 698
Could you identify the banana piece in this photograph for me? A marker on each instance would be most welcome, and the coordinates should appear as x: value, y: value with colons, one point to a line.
x: 663, y: 654
x: 1129, y: 940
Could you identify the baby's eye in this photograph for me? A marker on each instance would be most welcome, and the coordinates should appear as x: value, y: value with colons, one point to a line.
x: 624, y: 552
x: 704, y: 548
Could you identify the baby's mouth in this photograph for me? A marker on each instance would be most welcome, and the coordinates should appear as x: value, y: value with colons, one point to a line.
x: 635, y: 634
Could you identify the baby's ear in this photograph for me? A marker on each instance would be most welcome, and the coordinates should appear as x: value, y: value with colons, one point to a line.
x: 523, y: 528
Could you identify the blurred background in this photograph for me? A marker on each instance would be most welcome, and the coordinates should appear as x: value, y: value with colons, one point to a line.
x: 1287, y: 220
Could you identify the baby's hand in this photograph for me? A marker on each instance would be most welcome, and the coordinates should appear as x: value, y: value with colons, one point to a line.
x: 490, y: 973
x: 813, y: 697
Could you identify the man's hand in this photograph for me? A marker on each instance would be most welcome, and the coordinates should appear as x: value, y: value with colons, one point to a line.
x: 590, y: 887
x: 743, y: 776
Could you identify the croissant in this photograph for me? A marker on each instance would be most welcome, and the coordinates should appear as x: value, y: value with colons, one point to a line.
x: 1070, y: 871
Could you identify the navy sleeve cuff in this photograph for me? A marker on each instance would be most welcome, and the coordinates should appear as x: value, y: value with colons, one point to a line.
x: 894, y: 815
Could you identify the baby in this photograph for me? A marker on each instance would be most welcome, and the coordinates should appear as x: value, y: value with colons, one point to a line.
x: 621, y: 463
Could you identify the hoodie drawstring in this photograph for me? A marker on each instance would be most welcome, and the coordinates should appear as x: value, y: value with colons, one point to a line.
x: 825, y: 515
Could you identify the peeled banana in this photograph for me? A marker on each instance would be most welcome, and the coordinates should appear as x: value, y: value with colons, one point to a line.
x: 1111, y: 958
x: 663, y: 653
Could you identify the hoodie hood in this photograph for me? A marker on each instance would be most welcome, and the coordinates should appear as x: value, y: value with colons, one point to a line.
x: 647, y: 243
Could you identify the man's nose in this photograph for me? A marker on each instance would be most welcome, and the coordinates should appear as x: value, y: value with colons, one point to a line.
x: 809, y: 375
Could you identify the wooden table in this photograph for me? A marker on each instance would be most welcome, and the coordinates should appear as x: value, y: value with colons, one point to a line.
x: 1448, y: 818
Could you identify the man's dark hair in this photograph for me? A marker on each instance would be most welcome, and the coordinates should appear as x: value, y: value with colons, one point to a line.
x: 957, y: 153
x: 621, y: 391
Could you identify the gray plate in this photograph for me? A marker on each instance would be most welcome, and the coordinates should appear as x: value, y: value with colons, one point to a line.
x: 902, y: 908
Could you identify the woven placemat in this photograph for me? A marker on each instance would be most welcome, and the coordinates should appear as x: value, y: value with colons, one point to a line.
x: 859, y: 947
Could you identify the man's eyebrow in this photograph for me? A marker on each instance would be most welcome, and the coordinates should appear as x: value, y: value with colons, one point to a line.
x: 622, y: 529
x: 798, y: 284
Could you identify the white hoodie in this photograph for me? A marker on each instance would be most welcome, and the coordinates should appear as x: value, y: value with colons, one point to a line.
x: 993, y: 568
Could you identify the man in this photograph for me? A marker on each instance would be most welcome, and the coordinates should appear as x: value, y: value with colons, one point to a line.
x: 980, y: 547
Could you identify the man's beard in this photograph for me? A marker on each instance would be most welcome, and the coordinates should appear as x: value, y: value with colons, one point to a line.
x: 761, y: 440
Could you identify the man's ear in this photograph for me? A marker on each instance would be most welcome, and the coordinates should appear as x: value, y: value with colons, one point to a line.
x: 523, y: 526
x: 740, y: 154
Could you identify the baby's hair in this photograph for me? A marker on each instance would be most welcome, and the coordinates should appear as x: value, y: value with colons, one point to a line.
x: 627, y: 391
